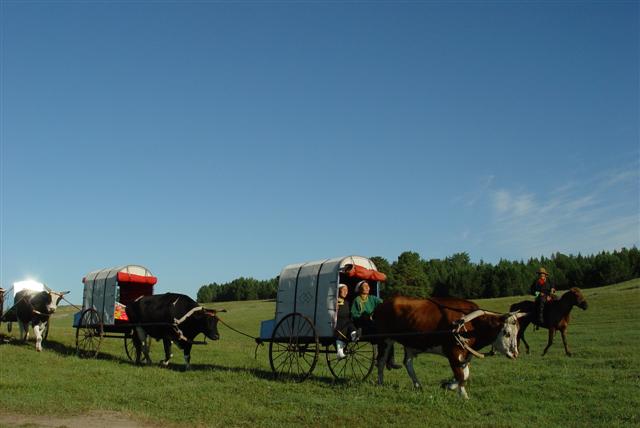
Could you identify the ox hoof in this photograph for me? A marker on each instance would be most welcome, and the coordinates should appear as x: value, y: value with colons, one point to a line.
x: 569, y: 354
x: 449, y: 386
x: 417, y: 386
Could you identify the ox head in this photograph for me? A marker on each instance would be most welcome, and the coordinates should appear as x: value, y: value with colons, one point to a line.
x: 507, y: 340
x: 211, y: 323
x: 51, y: 299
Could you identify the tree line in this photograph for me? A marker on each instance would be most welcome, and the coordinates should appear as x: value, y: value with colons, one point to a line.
x: 457, y: 276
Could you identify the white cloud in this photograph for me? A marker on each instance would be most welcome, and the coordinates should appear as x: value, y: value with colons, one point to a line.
x: 505, y: 203
x: 595, y: 214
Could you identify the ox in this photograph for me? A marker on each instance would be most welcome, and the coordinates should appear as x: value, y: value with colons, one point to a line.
x: 35, y: 308
x: 170, y: 317
x: 454, y: 328
x: 557, y: 315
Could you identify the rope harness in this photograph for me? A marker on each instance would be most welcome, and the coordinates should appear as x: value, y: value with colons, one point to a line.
x: 461, y: 329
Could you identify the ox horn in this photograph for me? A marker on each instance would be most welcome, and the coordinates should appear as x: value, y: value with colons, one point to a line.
x: 517, y: 314
x: 471, y: 316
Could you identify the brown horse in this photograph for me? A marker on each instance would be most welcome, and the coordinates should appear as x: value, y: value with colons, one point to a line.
x: 556, y: 316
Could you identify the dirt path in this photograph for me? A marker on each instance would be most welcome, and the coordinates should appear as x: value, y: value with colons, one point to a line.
x: 97, y: 419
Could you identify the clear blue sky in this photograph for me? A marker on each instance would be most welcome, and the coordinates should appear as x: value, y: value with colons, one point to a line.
x: 213, y: 140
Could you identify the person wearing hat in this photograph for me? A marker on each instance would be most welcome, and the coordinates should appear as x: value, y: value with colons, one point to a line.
x: 345, y: 329
x: 362, y: 313
x: 543, y: 290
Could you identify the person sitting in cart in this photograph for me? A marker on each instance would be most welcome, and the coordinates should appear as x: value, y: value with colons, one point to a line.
x: 362, y: 311
x: 345, y: 329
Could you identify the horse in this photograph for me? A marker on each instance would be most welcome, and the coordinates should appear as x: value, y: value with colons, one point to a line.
x: 556, y: 316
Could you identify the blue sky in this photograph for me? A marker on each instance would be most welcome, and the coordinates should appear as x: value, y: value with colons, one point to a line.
x: 213, y: 140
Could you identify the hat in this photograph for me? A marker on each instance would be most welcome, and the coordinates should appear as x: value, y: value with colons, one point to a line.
x: 542, y: 271
x: 358, y: 285
x: 341, y: 285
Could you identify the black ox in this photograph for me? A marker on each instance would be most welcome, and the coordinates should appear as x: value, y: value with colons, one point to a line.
x: 173, y: 318
x: 34, y: 308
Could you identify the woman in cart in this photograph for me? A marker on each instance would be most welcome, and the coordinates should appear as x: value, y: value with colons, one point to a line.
x: 345, y: 329
x: 362, y: 311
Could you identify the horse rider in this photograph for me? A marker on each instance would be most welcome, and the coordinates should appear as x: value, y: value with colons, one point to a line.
x: 543, y: 290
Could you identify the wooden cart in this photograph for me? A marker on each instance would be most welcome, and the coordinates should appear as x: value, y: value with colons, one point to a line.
x: 105, y: 296
x: 304, y: 324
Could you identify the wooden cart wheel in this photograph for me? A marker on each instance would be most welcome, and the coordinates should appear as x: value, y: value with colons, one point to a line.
x: 129, y: 347
x: 294, y: 347
x: 89, y: 334
x: 358, y: 364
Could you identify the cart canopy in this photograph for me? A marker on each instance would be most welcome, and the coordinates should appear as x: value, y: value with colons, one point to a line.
x: 104, y: 288
x: 311, y: 289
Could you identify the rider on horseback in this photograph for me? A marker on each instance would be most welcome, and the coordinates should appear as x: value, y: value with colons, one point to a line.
x: 543, y: 290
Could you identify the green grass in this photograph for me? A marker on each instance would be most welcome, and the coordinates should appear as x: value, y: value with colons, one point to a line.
x: 598, y: 386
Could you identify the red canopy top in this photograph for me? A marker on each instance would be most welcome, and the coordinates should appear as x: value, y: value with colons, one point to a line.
x: 133, y: 278
x: 137, y: 279
x: 361, y: 272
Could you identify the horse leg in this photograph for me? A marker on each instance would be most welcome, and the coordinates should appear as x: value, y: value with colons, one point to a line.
x: 552, y: 332
x: 563, y: 332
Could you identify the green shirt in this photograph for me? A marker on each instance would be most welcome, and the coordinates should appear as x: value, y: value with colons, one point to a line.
x: 362, y: 308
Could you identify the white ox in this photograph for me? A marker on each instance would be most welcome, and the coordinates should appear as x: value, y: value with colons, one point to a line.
x: 35, y: 308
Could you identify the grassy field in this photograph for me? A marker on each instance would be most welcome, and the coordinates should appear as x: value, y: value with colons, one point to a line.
x: 598, y: 386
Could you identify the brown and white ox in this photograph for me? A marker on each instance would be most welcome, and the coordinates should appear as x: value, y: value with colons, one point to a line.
x: 454, y: 328
x: 35, y: 308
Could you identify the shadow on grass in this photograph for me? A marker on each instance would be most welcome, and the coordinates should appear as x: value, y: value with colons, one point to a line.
x: 67, y: 350
x: 255, y: 372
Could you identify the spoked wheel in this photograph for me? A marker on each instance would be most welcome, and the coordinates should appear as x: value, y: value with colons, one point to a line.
x: 294, y: 347
x: 89, y: 334
x: 129, y: 347
x: 358, y: 364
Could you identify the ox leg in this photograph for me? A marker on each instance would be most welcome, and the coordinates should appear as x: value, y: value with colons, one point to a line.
x: 409, y: 355
x: 563, y: 332
x: 187, y: 355
x: 142, y: 340
x: 460, y: 375
x: 136, y: 344
x: 384, y: 349
x: 38, y: 333
x: 24, y: 331
x: 523, y: 327
x: 552, y: 333
x: 167, y: 351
